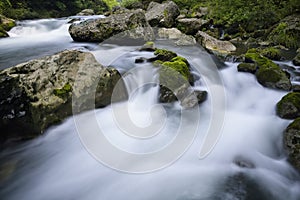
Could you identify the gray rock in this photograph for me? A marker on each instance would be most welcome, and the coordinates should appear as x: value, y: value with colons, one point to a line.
x: 38, y: 93
x: 86, y: 12
x: 190, y: 25
x: 292, y: 143
x: 132, y: 24
x: 175, y: 34
x: 217, y: 47
x: 193, y: 99
x: 162, y: 15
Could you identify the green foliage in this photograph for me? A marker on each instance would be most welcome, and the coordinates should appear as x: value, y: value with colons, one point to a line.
x: 129, y: 3
x: 250, y: 15
x: 28, y: 9
x: 271, y: 53
x: 282, y: 35
x: 111, y: 3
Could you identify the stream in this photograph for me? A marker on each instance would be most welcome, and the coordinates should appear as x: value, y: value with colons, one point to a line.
x: 246, y: 161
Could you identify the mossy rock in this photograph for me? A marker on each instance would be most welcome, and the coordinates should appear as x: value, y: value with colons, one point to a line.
x: 269, y: 74
x: 289, y: 106
x: 63, y: 92
x: 292, y: 143
x: 287, y: 32
x: 3, y: 33
x: 272, y: 53
x: 164, y: 55
x: 247, y: 67
x: 179, y: 66
x: 296, y: 60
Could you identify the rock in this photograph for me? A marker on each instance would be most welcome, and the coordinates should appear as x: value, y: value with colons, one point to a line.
x: 289, y: 106
x: 38, y: 93
x: 163, y: 55
x: 287, y: 32
x: 190, y: 26
x: 86, y: 12
x: 162, y: 15
x: 296, y: 60
x: 296, y: 88
x: 140, y: 60
x: 7, y: 23
x: 132, y: 24
x: 175, y: 34
x: 247, y: 67
x: 292, y: 143
x: 272, y: 53
x: 148, y: 46
x: 193, y: 99
x: 3, y: 33
x: 243, y: 162
x: 269, y: 74
x: 218, y: 47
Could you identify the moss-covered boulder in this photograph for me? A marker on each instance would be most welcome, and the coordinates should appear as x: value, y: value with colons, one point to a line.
x: 3, y: 33
x: 132, y: 24
x: 272, y: 53
x: 292, y: 143
x: 162, y: 15
x: 287, y: 32
x: 39, y: 93
x: 296, y: 60
x: 289, y: 106
x: 7, y: 23
x: 86, y: 12
x: 269, y: 74
x: 247, y: 67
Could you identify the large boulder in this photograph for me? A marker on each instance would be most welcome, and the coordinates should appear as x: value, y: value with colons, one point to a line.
x: 38, y: 94
x: 218, y: 47
x: 131, y: 24
x: 292, y: 143
x: 190, y: 25
x: 269, y: 74
x: 162, y: 15
x: 289, y: 106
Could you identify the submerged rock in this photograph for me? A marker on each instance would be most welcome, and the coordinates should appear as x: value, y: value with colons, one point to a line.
x: 292, y: 143
x: 132, y: 24
x: 269, y: 74
x: 162, y: 15
x: 38, y: 93
x: 289, y: 106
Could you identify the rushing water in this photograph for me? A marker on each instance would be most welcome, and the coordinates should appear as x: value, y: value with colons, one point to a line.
x: 248, y: 161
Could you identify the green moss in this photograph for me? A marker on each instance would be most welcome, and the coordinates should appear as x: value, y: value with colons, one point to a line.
x: 178, y: 66
x: 165, y: 55
x: 179, y: 58
x: 158, y: 63
x: 271, y: 53
x: 295, y: 124
x: 63, y: 92
x: 149, y: 43
x: 291, y: 98
x: 3, y: 33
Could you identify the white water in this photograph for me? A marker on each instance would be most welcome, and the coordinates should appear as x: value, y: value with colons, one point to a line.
x: 57, y: 166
